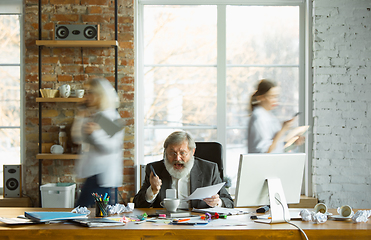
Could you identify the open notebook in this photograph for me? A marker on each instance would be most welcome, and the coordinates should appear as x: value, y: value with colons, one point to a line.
x: 292, y: 136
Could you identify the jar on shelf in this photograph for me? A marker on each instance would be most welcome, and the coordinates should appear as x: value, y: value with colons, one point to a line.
x: 63, y: 137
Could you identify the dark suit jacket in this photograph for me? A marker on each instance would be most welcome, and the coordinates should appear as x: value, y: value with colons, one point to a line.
x: 204, y: 173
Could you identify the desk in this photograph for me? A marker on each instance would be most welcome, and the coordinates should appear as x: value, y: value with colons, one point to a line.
x: 251, y: 230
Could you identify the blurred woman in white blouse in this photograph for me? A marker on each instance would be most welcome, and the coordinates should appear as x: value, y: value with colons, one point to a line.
x: 265, y: 131
x: 101, y: 162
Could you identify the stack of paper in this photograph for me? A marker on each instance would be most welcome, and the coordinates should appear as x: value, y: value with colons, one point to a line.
x: 99, y: 222
x: 177, y: 214
x: 16, y: 221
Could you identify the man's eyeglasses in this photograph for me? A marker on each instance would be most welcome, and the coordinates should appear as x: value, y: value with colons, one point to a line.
x: 174, y: 154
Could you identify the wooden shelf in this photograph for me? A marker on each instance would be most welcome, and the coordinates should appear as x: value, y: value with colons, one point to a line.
x: 57, y: 156
x: 15, y: 202
x: 60, y: 99
x: 305, y: 202
x: 59, y: 43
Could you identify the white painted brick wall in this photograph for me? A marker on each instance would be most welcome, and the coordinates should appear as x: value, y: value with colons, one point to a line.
x: 342, y: 102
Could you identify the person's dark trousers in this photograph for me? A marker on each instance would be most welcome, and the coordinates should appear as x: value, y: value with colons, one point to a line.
x: 91, y: 186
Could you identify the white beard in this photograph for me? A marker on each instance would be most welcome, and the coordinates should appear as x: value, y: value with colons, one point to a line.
x: 179, y: 174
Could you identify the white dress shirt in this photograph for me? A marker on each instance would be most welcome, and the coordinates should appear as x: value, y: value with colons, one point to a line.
x: 263, y: 126
x: 182, y: 187
x: 104, y: 157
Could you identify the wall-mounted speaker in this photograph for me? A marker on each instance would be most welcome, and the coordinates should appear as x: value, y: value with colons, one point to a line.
x: 12, y: 181
x: 76, y: 32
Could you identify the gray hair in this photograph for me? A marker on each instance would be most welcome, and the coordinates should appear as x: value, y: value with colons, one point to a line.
x: 178, y: 138
x: 106, y: 93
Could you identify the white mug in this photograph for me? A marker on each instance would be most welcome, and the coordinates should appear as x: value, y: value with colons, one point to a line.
x: 171, y: 204
x: 79, y: 93
x: 320, y: 208
x: 65, y: 90
x: 56, y: 149
x: 345, y: 211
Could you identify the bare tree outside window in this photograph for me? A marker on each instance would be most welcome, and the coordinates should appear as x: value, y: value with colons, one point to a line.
x: 180, y: 71
x: 262, y: 42
x: 9, y: 90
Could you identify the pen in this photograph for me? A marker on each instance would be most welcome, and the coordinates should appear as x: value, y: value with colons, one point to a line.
x: 105, y: 196
x: 189, y: 223
x: 153, y: 170
x: 181, y: 220
x: 260, y: 217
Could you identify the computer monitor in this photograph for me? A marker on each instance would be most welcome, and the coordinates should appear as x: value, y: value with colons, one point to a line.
x: 264, y: 177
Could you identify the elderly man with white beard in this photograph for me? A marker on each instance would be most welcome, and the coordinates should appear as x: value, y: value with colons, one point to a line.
x: 182, y: 171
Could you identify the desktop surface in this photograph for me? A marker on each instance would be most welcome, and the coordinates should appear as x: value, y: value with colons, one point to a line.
x: 234, y: 227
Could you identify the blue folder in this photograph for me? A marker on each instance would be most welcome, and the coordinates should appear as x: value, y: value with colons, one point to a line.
x: 53, y: 216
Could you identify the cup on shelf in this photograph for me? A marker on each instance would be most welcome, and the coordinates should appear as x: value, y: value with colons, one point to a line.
x: 73, y: 93
x: 65, y: 91
x: 79, y: 93
x: 56, y: 149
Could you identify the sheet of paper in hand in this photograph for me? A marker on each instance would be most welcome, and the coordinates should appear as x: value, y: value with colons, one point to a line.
x: 205, y: 192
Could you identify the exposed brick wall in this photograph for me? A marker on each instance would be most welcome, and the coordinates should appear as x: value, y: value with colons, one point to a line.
x: 342, y: 102
x: 75, y: 66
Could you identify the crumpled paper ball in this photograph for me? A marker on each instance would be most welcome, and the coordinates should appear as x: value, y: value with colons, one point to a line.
x: 319, y: 217
x: 361, y: 216
x: 312, y: 216
x: 81, y: 210
x: 305, y: 215
x: 119, y: 208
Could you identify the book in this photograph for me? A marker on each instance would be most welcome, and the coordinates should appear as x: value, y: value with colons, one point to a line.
x: 294, y: 135
x: 111, y: 127
x: 53, y: 216
x: 99, y: 222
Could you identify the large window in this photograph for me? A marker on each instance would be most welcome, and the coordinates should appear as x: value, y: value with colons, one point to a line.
x: 198, y: 66
x: 10, y: 85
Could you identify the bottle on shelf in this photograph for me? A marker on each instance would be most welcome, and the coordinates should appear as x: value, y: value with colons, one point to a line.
x: 63, y: 137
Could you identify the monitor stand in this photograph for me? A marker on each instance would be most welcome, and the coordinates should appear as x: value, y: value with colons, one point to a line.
x: 279, y: 214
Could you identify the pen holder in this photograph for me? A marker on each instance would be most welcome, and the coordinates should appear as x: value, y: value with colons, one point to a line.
x: 101, y: 208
